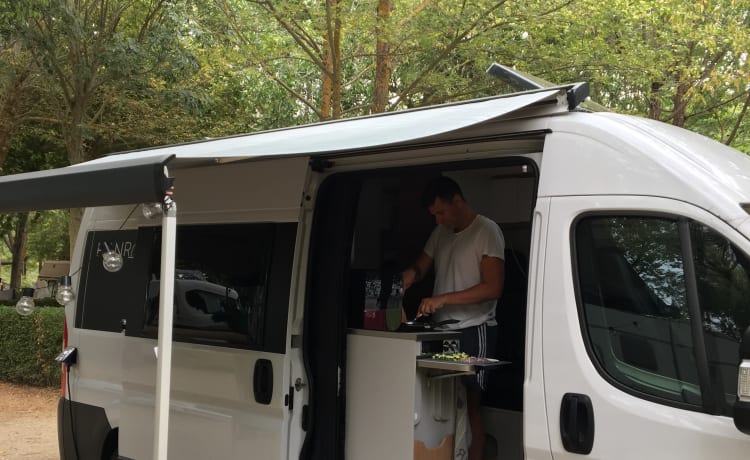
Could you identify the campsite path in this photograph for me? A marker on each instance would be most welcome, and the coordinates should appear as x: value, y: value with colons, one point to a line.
x: 28, y: 423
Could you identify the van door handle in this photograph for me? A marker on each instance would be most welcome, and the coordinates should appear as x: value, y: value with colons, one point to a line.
x: 263, y: 381
x: 577, y: 423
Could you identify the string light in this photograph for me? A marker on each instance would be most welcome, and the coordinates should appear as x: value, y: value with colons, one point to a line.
x: 25, y: 305
x: 111, y: 260
x: 65, y: 292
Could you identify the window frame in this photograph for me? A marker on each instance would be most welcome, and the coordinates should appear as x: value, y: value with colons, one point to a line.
x: 708, y: 390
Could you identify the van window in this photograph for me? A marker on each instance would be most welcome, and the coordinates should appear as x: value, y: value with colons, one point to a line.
x: 632, y: 287
x: 723, y: 283
x: 106, y: 299
x: 231, y: 285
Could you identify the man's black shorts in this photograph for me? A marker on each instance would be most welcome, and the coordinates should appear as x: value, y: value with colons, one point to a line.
x: 478, y: 341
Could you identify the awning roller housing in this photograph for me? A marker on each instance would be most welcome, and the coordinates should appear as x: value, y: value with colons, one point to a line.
x: 124, y: 181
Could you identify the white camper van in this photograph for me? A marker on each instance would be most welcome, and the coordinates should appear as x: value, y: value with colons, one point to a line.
x: 627, y: 290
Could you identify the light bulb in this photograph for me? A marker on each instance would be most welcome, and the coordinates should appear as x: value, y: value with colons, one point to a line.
x: 112, y: 261
x: 25, y: 305
x: 65, y: 292
x: 152, y: 210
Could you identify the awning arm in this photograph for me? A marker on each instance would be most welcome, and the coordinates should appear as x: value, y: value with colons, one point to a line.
x: 577, y: 93
x: 166, y: 318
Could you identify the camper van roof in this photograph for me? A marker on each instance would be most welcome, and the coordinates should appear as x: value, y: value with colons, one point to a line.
x: 140, y: 176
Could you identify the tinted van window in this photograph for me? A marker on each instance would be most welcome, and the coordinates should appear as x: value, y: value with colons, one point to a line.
x: 231, y: 285
x: 106, y: 299
x: 723, y: 283
x: 632, y: 286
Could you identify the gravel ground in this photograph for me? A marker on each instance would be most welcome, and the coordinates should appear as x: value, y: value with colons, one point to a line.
x: 28, y: 423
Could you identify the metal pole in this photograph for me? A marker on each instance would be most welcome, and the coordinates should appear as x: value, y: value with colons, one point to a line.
x: 166, y: 313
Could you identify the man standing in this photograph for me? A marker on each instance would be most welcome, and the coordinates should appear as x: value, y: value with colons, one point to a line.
x: 467, y: 250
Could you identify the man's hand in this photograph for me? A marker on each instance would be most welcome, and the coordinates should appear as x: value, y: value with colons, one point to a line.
x: 429, y: 305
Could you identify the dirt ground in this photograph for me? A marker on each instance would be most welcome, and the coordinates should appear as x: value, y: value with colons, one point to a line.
x: 28, y: 423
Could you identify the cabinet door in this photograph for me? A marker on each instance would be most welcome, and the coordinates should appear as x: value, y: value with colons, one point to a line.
x: 641, y: 313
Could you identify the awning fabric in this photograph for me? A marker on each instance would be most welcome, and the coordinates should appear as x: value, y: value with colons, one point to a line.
x: 393, y: 129
x: 139, y: 176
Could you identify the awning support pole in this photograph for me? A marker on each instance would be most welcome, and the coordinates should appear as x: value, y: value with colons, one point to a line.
x: 166, y: 313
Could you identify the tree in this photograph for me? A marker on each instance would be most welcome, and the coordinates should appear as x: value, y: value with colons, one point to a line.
x: 31, y: 150
x: 446, y: 47
x: 101, y: 57
x: 48, y: 237
x: 356, y: 59
x: 313, y: 38
x: 18, y: 75
x: 680, y: 62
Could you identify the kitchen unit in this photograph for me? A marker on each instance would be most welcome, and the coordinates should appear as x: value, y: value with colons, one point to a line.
x: 398, y: 403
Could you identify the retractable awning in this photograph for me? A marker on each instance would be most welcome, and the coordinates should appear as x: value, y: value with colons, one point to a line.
x: 138, y: 176
x: 375, y: 132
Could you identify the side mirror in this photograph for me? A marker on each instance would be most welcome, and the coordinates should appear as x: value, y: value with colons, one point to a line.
x: 742, y: 405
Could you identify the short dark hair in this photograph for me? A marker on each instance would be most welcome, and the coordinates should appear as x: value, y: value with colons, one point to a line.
x: 441, y: 187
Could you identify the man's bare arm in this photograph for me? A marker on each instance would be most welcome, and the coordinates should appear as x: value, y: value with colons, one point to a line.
x: 492, y: 272
x: 417, y: 271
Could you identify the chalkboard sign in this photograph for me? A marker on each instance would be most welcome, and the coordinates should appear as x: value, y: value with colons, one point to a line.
x: 106, y: 298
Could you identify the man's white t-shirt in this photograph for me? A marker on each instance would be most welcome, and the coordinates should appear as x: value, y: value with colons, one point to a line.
x: 457, y: 257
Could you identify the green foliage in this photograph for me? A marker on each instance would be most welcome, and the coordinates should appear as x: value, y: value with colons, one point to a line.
x: 29, y: 346
x: 682, y: 62
x: 28, y: 279
x: 34, y: 148
x: 151, y: 73
x: 48, y: 238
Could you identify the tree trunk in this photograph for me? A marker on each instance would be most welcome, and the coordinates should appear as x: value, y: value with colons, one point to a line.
x: 74, y: 224
x: 6, y: 136
x: 383, y: 58
x: 75, y: 149
x: 19, y: 251
x: 336, y: 52
x: 330, y: 100
x: 654, y: 101
x: 11, y: 104
x: 680, y: 105
x: 738, y: 121
x: 326, y: 90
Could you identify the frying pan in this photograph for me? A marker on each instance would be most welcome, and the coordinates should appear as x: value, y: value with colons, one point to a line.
x: 423, y: 326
